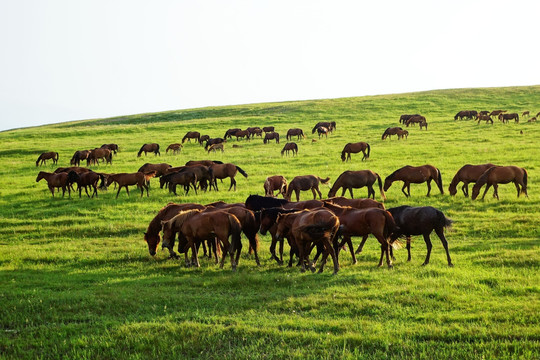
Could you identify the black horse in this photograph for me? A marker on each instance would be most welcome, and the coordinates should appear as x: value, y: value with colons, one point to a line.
x: 257, y: 202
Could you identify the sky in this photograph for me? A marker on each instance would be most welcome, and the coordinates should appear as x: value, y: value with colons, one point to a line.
x: 64, y: 60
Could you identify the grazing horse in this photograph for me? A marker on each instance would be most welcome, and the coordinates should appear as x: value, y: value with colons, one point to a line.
x: 195, y: 226
x: 149, y: 148
x: 354, y: 148
x: 112, y: 147
x: 257, y: 202
x: 290, y: 147
x: 321, y: 130
x: 213, y: 141
x: 276, y: 182
x: 230, y: 133
x: 355, y: 203
x: 160, y: 169
x: 255, y: 130
x: 242, y: 134
x: 304, y: 183
x: 403, y: 118
x: 46, y: 156
x: 176, y: 148
x: 469, y: 114
x: 78, y: 156
x: 191, y: 135
x: 525, y: 113
x: 415, y: 175
x: 506, y: 117
x: 402, y: 133
x: 267, y: 129
x: 216, y: 147
x: 222, y: 171
x: 271, y: 136
x: 531, y: 120
x: 203, y: 162
x: 203, y: 138
x: 355, y: 180
x: 204, y: 174
x: 299, y: 133
x: 501, y: 175
x: 356, y: 222
x: 185, y: 178
x: 391, y: 131
x: 330, y: 125
x: 416, y: 119
x: 126, y: 179
x: 486, y: 118
x: 420, y: 221
x: 467, y: 174
x: 497, y: 112
x: 59, y: 180
x: 86, y: 179
x: 77, y: 169
x: 99, y: 153
x: 307, y: 227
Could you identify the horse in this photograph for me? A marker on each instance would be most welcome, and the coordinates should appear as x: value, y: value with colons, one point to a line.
x: 403, y: 118
x: 126, y: 179
x: 191, y: 135
x: 176, y: 148
x: 86, y: 179
x: 222, y: 171
x: 257, y: 202
x: 402, y: 133
x: 276, y: 182
x: 321, y: 130
x: 160, y: 169
x: 242, y: 134
x: 299, y: 133
x: 290, y: 147
x: 268, y: 129
x: 415, y: 175
x: 195, y: 226
x: 267, y: 219
x: 216, y: 147
x: 213, y: 141
x: 469, y: 114
x: 355, y: 203
x: 78, y: 156
x: 420, y: 221
x: 303, y: 183
x: 507, y: 117
x: 112, y: 147
x: 149, y: 148
x: 330, y: 125
x: 354, y: 148
x: 255, y: 130
x: 497, y: 112
x: 486, y: 118
x: 391, y: 131
x: 525, y: 113
x: 203, y: 138
x: 271, y: 136
x: 59, y: 180
x: 308, y: 227
x: 467, y: 174
x: 204, y: 174
x: 356, y: 222
x: 203, y: 162
x: 185, y: 178
x: 77, y: 169
x: 501, y: 175
x: 349, y: 180
x: 483, y: 112
x: 416, y: 119
x: 99, y: 153
x: 423, y: 124
x: 230, y: 133
x: 46, y: 156
x: 531, y: 120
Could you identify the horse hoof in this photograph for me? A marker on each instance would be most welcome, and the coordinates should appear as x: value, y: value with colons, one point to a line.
x: 313, y: 269
x: 450, y: 265
x: 355, y: 262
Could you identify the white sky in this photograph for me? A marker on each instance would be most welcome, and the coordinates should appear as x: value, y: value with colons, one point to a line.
x: 68, y: 59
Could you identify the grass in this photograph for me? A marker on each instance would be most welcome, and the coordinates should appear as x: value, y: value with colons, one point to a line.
x: 76, y: 280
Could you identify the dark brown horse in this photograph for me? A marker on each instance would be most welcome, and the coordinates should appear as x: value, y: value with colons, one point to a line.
x: 349, y: 180
x: 501, y: 175
x: 46, y: 156
x: 321, y: 130
x: 304, y: 183
x: 222, y: 171
x: 187, y: 179
x: 216, y: 147
x: 78, y: 156
x: 507, y: 117
x: 276, y: 182
x: 175, y: 148
x: 416, y: 119
x: 191, y: 135
x: 213, y: 141
x: 355, y: 203
x: 525, y: 113
x: 204, y: 174
x: 267, y: 129
x: 271, y: 136
x: 99, y: 153
x: 230, y: 133
x: 112, y: 147
x: 469, y: 114
x: 401, y: 134
x: 467, y: 174
x: 59, y: 180
x: 86, y: 179
x: 242, y: 134
x: 127, y: 179
x: 255, y: 130
x: 203, y: 138
x: 391, y: 131
x: 290, y: 147
x: 497, y: 112
x: 485, y: 118
x: 299, y: 133
x: 403, y: 118
x: 354, y: 148
x: 146, y: 148
x: 160, y: 169
x: 330, y: 125
x: 415, y: 175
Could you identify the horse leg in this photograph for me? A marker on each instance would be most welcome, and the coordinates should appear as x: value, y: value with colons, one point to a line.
x: 348, y: 239
x: 86, y: 190
x: 408, y: 248
x: 440, y: 234
x: 350, y: 190
x: 325, y: 257
x: 238, y: 249
x: 314, y: 193
x: 119, y: 188
x: 465, y: 189
x: 428, y: 187
x: 297, y: 192
x: 361, y: 246
x: 404, y: 187
x: 429, y: 246
x: 233, y: 183
x: 517, y: 188
x: 301, y: 255
x: 318, y: 191
x: 370, y: 192
x: 496, y: 191
x: 486, y: 190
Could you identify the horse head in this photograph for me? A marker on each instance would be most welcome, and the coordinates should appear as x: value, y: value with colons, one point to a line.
x: 153, y: 242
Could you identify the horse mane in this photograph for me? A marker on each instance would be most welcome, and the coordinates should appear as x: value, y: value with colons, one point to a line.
x: 394, y: 173
x: 141, y: 150
x: 155, y: 223
x: 182, y: 217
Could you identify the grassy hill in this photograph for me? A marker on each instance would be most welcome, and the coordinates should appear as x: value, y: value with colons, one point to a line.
x: 76, y: 280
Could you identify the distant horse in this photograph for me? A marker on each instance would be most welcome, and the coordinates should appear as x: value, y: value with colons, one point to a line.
x: 420, y: 221
x: 186, y: 178
x: 483, y: 112
x: 176, y: 148
x: 330, y: 125
x: 485, y: 118
x: 213, y: 141
x: 255, y: 130
x: 85, y: 180
x: 271, y: 136
x: 390, y: 131
x: 321, y: 130
x: 149, y: 148
x: 304, y: 183
x: 78, y: 156
x: 501, y: 175
x: 59, y: 180
x: 525, y: 113
x: 191, y: 135
x: 355, y: 203
x: 416, y: 119
x: 469, y: 114
x: 112, y: 147
x: 402, y: 133
x: 242, y: 134
x: 423, y: 124
x: 46, y: 156
x: 216, y: 147
x: 415, y: 175
x: 507, y: 117
x: 160, y: 169
x: 467, y: 174
x: 353, y: 148
x: 533, y: 119
x: 126, y: 179
x: 203, y: 138
x: 99, y: 153
x: 222, y: 171
x: 497, y: 112
x: 403, y: 118
x: 290, y: 147
x: 267, y: 129
x: 349, y: 180
x: 230, y: 133
x: 276, y: 182
x: 299, y: 133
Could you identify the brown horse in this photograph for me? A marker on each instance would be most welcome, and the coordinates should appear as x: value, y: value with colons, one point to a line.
x: 146, y: 148
x: 204, y: 175
x: 203, y: 138
x: 230, y: 133
x: 276, y: 182
x: 175, y: 148
x: 416, y: 119
x: 160, y: 169
x: 307, y: 227
x: 185, y: 178
x: 354, y: 148
x: 86, y: 179
x: 467, y: 174
x: 59, y: 180
x: 99, y: 153
x: 304, y: 183
x: 299, y: 133
x: 126, y: 179
x: 403, y: 118
x: 216, y: 147
x: 355, y: 222
x: 267, y: 129
x: 77, y: 169
x: 390, y: 131
x: 242, y: 134
x: 321, y: 130
x: 501, y: 175
x: 469, y: 114
x: 191, y: 135
x: 46, y: 156
x: 415, y: 175
x: 507, y: 117
x: 357, y: 179
x: 222, y: 171
x: 526, y: 113
x: 271, y: 136
x: 485, y: 118
x: 355, y: 203
x: 213, y: 141
x: 195, y: 226
x: 78, y: 156
x: 255, y: 130
x: 112, y: 147
x: 497, y: 112
x: 402, y: 133
x: 330, y: 125
x: 290, y: 147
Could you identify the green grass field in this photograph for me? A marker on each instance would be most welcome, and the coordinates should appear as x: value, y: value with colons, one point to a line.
x: 76, y: 279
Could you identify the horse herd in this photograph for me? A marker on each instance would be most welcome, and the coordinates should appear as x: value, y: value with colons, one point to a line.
x: 488, y: 116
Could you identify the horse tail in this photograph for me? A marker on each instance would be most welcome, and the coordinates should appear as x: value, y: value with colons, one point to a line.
x: 443, y: 220
x: 140, y: 151
x: 57, y: 156
x: 235, y: 229
x: 241, y: 171
x: 439, y: 181
x: 379, y: 180
x: 524, y: 187
x: 390, y: 226
x: 102, y: 185
x: 157, y: 150
x: 368, y: 149
x: 324, y: 181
